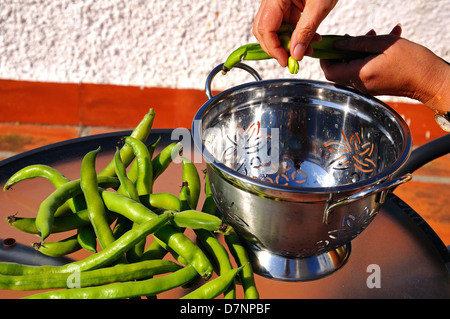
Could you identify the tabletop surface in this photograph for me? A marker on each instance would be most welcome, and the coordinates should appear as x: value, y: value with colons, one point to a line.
x: 397, y: 256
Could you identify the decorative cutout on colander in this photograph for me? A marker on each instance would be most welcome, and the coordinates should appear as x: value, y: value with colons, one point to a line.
x: 249, y: 152
x: 254, y: 153
x: 353, y: 153
x: 351, y: 225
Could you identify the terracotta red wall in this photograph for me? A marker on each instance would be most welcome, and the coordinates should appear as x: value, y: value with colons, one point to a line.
x: 123, y: 106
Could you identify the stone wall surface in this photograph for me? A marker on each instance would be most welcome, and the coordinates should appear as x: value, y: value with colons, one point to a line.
x: 160, y: 43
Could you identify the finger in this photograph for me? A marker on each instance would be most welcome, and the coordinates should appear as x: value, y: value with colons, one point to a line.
x: 267, y: 22
x: 312, y: 15
x: 256, y: 22
x: 309, y: 50
x: 345, y: 73
x: 371, y: 32
x: 292, y: 15
x: 397, y: 30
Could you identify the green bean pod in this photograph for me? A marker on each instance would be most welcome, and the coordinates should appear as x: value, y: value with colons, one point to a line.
x: 141, y: 132
x: 121, y: 245
x: 60, y: 224
x: 127, y: 207
x: 97, y: 277
x: 250, y: 51
x: 102, y: 258
x: 49, y: 173
x: 94, y: 202
x: 241, y: 257
x: 198, y: 220
x: 87, y: 239
x: 323, y: 49
x: 37, y: 170
x: 154, y: 251
x: 144, y: 179
x: 127, y: 187
x: 209, y: 205
x: 60, y: 248
x: 161, y: 161
x: 168, y: 234
x: 191, y: 179
x: 173, y: 240
x: 132, y: 172
x: 185, y: 197
x: 122, y: 290
x: 166, y: 201
x: 47, y: 208
x: 210, y: 242
x: 220, y: 255
x: 215, y: 287
x: 135, y: 253
x: 151, y: 147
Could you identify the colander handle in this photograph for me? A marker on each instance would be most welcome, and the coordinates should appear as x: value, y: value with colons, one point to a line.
x: 365, y: 193
x: 219, y: 68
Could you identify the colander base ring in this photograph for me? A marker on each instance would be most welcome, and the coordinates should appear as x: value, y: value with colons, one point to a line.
x: 277, y: 267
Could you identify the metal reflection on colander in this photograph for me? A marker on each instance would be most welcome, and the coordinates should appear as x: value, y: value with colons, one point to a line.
x: 299, y: 168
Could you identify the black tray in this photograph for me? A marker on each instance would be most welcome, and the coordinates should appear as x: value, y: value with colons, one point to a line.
x: 399, y: 247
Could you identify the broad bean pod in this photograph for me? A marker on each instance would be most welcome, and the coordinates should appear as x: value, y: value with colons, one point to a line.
x: 129, y: 289
x: 168, y: 234
x: 144, y: 178
x: 59, y: 248
x: 47, y: 208
x: 154, y: 251
x: 94, y: 202
x: 198, y: 220
x: 241, y: 257
x: 127, y: 187
x: 132, y: 172
x: 97, y: 260
x: 134, y: 254
x: 121, y: 245
x: 185, y: 197
x: 118, y: 273
x: 161, y: 161
x: 138, y: 213
x: 165, y: 201
x: 191, y: 179
x: 87, y: 239
x: 144, y: 184
x: 49, y: 173
x: 141, y: 132
x: 60, y: 224
x: 215, y: 287
x: 212, y: 244
x: 34, y: 171
x: 220, y: 255
x: 209, y: 205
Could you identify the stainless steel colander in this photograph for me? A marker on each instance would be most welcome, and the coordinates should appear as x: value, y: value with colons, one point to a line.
x: 299, y: 168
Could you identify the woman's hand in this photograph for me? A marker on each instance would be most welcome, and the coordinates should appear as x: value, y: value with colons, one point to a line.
x: 398, y: 67
x: 305, y: 15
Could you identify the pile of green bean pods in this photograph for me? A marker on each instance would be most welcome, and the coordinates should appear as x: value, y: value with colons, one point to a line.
x: 128, y: 229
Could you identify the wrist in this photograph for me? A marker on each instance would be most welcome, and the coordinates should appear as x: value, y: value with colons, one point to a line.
x: 440, y: 101
x: 438, y: 97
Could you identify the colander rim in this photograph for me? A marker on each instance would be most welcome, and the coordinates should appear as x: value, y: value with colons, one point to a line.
x: 278, y: 188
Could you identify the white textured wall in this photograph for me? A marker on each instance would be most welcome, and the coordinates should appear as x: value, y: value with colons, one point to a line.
x: 176, y: 43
